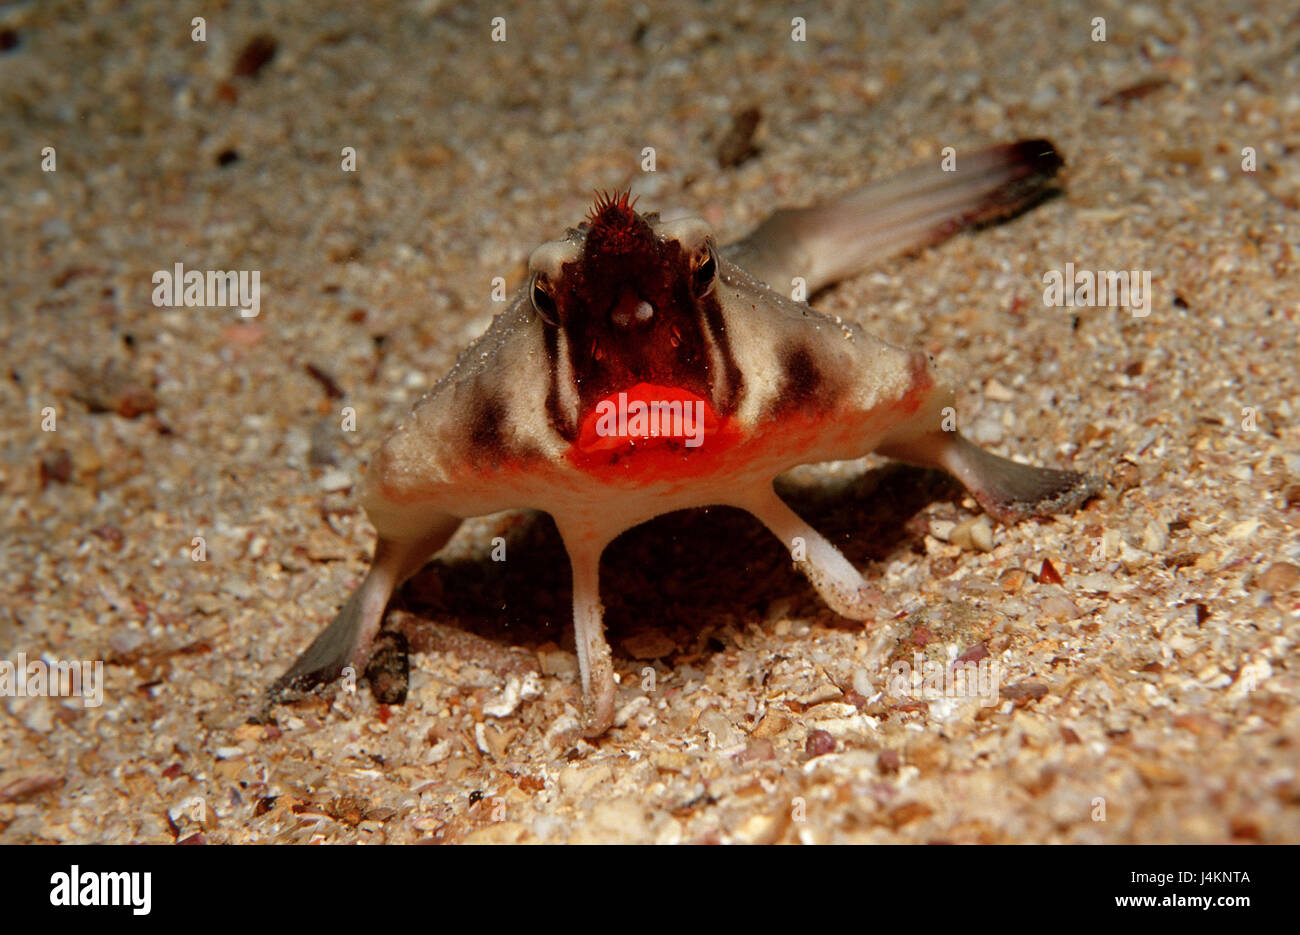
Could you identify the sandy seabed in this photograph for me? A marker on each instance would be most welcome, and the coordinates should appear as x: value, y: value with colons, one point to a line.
x: 1147, y: 676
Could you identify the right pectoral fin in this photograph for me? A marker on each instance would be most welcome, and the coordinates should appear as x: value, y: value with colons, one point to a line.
x: 1006, y: 489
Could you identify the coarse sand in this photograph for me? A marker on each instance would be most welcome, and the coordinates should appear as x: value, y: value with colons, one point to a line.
x: 1143, y: 650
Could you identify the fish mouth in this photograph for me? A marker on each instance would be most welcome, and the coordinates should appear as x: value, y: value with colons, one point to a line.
x: 647, y: 416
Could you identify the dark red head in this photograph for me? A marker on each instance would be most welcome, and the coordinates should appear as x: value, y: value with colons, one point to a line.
x: 628, y: 301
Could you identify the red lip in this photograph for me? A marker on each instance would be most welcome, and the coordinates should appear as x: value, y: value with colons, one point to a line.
x: 607, y: 430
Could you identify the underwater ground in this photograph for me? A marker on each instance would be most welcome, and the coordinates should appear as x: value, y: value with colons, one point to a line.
x: 177, y: 481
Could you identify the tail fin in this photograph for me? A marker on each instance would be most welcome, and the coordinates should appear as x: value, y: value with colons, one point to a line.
x: 921, y: 206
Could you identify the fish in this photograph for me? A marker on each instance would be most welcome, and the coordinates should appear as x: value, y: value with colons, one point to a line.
x: 643, y: 368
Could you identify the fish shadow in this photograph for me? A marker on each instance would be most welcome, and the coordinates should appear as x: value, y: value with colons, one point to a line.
x: 681, y: 573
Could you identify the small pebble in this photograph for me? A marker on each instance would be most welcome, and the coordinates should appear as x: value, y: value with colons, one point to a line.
x: 1024, y: 692
x: 1048, y: 573
x: 254, y: 56
x: 1155, y: 537
x: 986, y: 431
x: 1132, y: 558
x: 124, y: 641
x: 942, y: 529
x: 724, y: 732
x: 333, y: 481
x: 819, y: 743
x: 1280, y: 576
x: 1058, y: 607
x: 974, y: 533
x: 556, y: 662
x: 1125, y: 476
x: 650, y: 644
x: 738, y: 145
x: 630, y: 710
x: 56, y: 468
x: 997, y: 392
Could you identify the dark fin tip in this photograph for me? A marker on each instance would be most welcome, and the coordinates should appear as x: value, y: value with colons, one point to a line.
x: 1011, y: 491
x: 1035, y: 164
x: 323, y: 661
x: 1044, y: 493
x: 1039, y: 155
x: 292, y: 686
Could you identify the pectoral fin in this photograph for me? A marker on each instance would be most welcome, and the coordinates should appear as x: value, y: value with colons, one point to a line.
x: 349, y: 636
x: 1007, y: 490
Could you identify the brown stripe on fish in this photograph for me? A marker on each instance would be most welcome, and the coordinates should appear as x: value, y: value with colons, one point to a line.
x: 804, y: 386
x: 484, y: 430
x: 714, y: 325
x: 561, y: 419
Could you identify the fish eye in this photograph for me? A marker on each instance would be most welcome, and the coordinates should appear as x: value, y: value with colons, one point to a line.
x: 706, y: 271
x: 543, y: 301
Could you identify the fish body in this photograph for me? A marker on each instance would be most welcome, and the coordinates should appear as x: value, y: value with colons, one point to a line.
x: 643, y: 369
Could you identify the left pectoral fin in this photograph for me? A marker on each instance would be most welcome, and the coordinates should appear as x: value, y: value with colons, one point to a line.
x: 348, y: 638
x: 1007, y: 490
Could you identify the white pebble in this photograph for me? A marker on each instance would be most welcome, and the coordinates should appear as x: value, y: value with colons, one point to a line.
x: 332, y: 481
